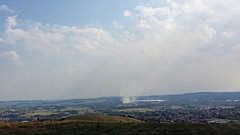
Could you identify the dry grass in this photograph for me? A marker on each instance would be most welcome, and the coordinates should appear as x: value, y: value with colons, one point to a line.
x: 15, y: 125
x: 72, y: 119
x: 103, y: 118
x: 68, y: 127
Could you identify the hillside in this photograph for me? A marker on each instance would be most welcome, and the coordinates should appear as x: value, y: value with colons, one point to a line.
x: 101, y: 119
x: 88, y: 118
x: 91, y: 128
x: 117, y: 125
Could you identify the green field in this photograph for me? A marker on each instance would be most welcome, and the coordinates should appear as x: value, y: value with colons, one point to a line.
x: 39, y: 113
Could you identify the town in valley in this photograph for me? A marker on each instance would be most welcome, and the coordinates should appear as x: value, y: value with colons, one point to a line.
x: 199, y: 108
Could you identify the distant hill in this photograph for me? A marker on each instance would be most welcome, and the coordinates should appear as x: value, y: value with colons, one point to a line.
x: 199, y: 96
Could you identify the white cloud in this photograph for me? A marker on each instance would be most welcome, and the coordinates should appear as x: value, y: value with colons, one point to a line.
x: 9, y: 56
x: 10, y: 22
x: 127, y: 13
x: 149, y: 11
x: 143, y: 24
x: 228, y: 34
x: 5, y: 8
x: 116, y: 25
x: 206, y: 33
x: 11, y: 34
x: 40, y: 36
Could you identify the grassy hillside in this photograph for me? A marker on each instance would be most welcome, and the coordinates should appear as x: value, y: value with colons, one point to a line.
x: 108, y: 125
x: 81, y: 128
x: 102, y: 118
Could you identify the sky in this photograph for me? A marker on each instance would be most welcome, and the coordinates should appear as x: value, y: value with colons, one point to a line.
x: 85, y: 49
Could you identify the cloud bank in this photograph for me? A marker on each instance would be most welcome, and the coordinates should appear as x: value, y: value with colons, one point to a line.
x: 181, y: 46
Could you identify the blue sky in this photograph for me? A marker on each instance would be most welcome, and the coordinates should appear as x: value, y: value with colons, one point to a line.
x: 71, y: 13
x: 83, y: 49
